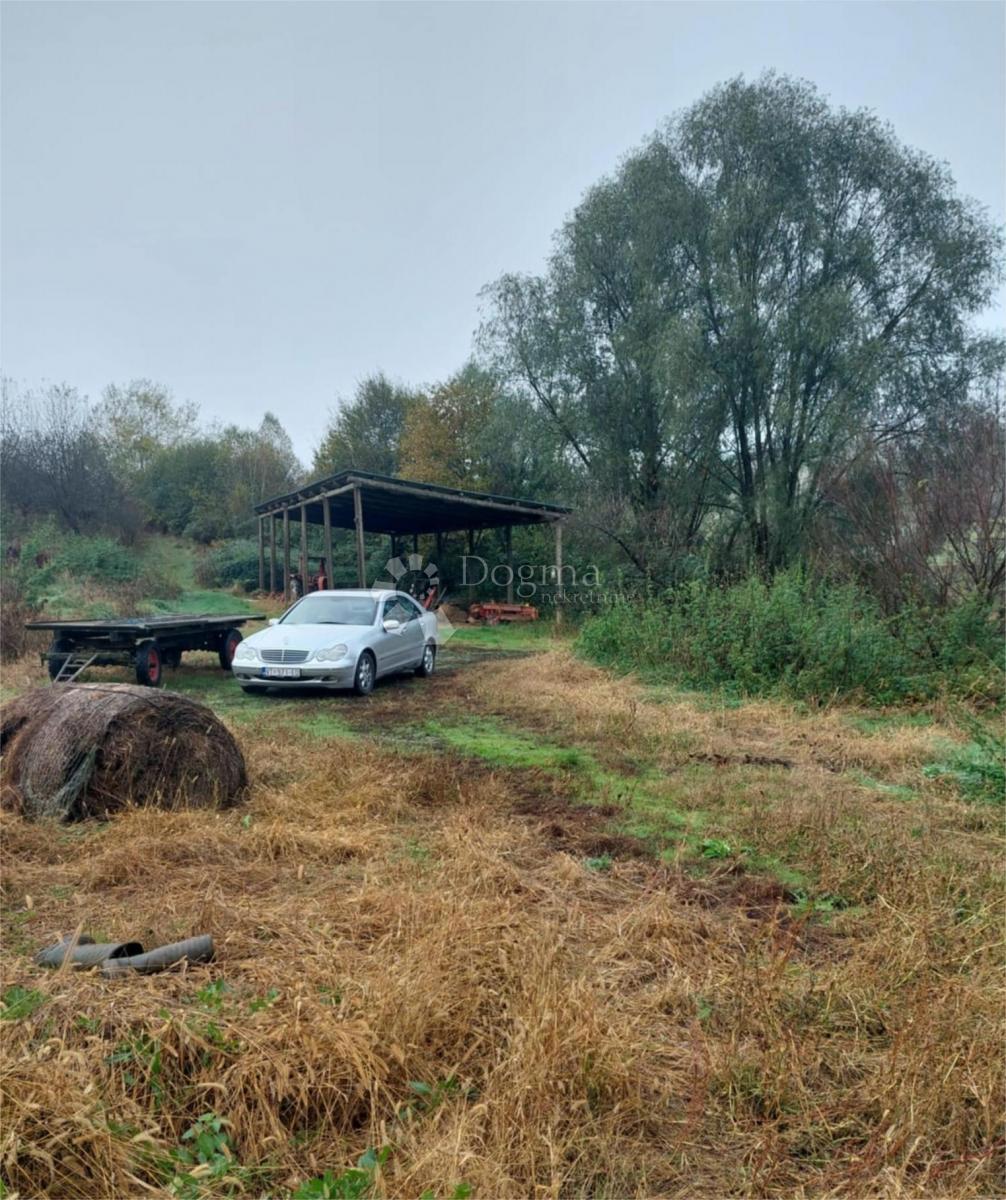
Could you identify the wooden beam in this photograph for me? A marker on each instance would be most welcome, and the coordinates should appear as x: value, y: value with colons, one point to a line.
x: 286, y: 556
x: 471, y: 553
x: 326, y: 505
x: 295, y: 499
x: 272, y: 555
x: 361, y: 559
x: 558, y: 573
x: 508, y: 536
x: 261, y: 554
x: 303, y: 549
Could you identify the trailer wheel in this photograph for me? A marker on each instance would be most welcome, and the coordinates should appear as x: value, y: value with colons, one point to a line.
x: 149, y: 664
x: 232, y: 639
x: 58, y: 653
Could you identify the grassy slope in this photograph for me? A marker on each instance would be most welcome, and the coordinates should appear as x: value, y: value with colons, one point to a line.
x: 536, y: 930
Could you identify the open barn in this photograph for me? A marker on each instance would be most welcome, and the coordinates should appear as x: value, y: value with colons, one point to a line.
x: 366, y: 503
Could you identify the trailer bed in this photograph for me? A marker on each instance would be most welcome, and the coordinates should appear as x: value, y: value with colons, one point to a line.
x: 148, y: 644
x: 144, y: 625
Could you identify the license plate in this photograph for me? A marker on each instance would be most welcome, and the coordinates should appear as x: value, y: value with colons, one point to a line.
x: 281, y: 672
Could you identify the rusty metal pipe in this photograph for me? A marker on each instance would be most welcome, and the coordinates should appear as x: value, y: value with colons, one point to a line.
x: 197, y: 949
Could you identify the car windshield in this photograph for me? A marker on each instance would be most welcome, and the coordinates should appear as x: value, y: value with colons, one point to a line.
x: 331, y: 610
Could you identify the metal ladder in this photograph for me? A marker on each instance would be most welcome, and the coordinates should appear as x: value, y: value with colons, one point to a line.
x: 72, y: 666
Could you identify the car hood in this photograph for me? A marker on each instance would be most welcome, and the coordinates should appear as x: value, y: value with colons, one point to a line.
x: 305, y: 637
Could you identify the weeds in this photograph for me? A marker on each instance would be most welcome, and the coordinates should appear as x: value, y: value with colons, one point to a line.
x: 801, y: 637
x: 19, y: 1002
x: 978, y: 768
x: 353, y: 1184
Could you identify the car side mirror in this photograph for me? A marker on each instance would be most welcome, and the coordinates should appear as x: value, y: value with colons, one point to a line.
x: 274, y: 620
x: 390, y: 625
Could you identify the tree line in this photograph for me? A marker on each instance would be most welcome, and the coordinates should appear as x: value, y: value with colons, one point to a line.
x: 754, y: 345
x: 136, y: 460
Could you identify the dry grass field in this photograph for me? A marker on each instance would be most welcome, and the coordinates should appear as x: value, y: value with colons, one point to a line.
x: 523, y: 931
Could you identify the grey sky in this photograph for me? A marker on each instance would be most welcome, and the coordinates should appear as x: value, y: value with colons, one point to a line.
x: 259, y: 203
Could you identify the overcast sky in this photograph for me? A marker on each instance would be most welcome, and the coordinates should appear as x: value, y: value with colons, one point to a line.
x: 259, y: 203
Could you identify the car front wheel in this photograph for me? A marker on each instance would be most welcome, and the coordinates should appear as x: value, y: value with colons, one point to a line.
x: 428, y: 662
x: 363, y: 680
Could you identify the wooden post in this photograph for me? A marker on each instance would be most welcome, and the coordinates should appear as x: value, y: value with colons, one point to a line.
x: 361, y: 561
x: 509, y: 564
x: 272, y: 554
x: 286, y: 556
x: 326, y: 507
x: 471, y: 554
x: 558, y: 573
x: 261, y: 554
x: 415, y: 543
x: 303, y: 550
x: 440, y: 547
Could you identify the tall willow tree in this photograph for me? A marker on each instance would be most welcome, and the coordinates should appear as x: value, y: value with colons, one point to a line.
x: 761, y: 284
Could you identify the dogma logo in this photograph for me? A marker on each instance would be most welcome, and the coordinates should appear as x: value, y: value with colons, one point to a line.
x: 411, y: 573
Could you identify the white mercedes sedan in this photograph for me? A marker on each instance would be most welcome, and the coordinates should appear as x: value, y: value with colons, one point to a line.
x: 345, y: 639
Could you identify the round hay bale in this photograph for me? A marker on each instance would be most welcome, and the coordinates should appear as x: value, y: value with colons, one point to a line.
x: 87, y: 750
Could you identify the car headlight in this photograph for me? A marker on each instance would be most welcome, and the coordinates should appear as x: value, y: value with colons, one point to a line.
x: 245, y: 653
x: 330, y: 653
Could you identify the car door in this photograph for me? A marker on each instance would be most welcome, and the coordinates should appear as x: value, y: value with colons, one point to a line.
x: 392, y: 646
x: 413, y: 634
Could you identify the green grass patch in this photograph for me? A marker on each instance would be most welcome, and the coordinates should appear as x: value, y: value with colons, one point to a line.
x: 978, y: 768
x: 898, y: 791
x: 323, y: 724
x: 199, y: 602
x: 879, y: 723
x: 488, y: 740
x: 529, y: 635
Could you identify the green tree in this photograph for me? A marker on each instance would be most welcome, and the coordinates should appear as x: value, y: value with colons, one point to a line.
x: 720, y: 321
x: 186, y: 490
x: 440, y: 440
x: 139, y: 419
x: 365, y: 432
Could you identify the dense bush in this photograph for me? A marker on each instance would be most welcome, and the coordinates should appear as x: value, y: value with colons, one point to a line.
x: 230, y: 563
x: 802, y: 637
x: 47, y: 558
x: 66, y: 574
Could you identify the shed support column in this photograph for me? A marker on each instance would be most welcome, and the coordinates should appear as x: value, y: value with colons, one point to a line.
x: 272, y: 554
x: 361, y: 560
x: 509, y: 564
x: 558, y: 573
x: 261, y: 554
x: 326, y: 507
x: 471, y: 554
x: 286, y: 556
x: 303, y: 550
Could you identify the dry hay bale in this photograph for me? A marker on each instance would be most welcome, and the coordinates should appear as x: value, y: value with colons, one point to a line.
x: 86, y: 750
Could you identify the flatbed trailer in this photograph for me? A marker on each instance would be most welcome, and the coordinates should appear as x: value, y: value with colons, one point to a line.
x: 147, y: 644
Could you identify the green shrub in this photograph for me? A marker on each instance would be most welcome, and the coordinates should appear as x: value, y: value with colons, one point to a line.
x: 803, y: 637
x: 977, y: 768
x: 99, y: 560
x: 232, y: 562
